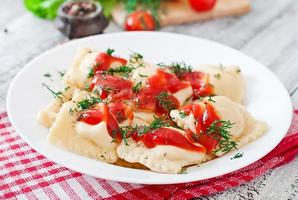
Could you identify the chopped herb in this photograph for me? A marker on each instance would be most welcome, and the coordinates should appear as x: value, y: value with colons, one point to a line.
x: 110, y: 51
x: 165, y: 154
x: 48, y: 75
x: 237, y: 155
x: 238, y: 70
x: 141, y: 75
x: 164, y: 102
x: 210, y: 99
x: 180, y: 68
x: 127, y: 131
x: 61, y: 73
x: 87, y: 87
x: 87, y: 103
x: 58, y: 94
x: 66, y: 88
x: 220, y: 130
x: 136, y: 60
x: 218, y: 75
x: 182, y: 114
x: 123, y: 70
x: 91, y: 73
x: 136, y: 88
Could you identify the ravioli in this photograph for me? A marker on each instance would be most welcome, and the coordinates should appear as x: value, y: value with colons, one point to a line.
x: 245, y: 128
x: 92, y: 141
x: 47, y: 115
x: 161, y: 158
x: 159, y: 117
x: 226, y: 80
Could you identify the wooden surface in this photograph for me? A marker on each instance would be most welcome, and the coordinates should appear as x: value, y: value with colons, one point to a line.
x: 269, y: 33
x: 178, y: 12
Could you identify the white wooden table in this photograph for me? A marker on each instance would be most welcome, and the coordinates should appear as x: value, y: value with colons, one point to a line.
x: 269, y: 33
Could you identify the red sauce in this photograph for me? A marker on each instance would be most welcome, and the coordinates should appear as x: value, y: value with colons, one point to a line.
x: 117, y: 88
x: 204, y: 117
x: 120, y: 111
x: 162, y: 81
x: 104, y: 60
x: 199, y: 83
x: 95, y: 116
x: 166, y: 136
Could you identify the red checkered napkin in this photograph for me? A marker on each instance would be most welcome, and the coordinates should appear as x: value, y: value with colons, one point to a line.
x: 25, y: 174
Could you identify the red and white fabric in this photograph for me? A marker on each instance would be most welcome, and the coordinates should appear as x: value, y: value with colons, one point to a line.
x: 25, y: 174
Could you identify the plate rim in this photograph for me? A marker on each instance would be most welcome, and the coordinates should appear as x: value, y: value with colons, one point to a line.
x: 132, y: 180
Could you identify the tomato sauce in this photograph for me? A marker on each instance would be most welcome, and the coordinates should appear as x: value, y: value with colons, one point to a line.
x: 199, y: 84
x: 117, y: 88
x: 104, y: 60
x: 95, y: 116
x: 167, y: 136
x: 204, y: 116
x: 162, y: 82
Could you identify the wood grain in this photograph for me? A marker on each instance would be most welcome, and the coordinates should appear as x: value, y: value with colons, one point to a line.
x: 179, y: 12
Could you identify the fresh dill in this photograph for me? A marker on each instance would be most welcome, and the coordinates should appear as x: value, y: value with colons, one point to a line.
x: 211, y: 99
x: 157, y: 123
x: 165, y: 102
x: 86, y: 103
x: 136, y: 88
x: 57, y: 95
x: 237, y: 155
x: 136, y: 60
x: 123, y: 70
x: 91, y: 73
x: 182, y: 114
x: 180, y: 68
x: 61, y: 73
x: 238, y: 71
x: 47, y: 75
x: 110, y: 51
x: 220, y: 130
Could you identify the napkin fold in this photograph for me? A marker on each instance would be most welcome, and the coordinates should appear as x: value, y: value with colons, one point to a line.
x: 24, y: 173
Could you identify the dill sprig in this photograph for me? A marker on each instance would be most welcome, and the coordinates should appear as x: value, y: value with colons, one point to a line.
x: 85, y: 104
x: 157, y: 123
x: 58, y: 94
x: 220, y: 130
x: 165, y: 102
x: 136, y: 88
x: 88, y: 102
x: 237, y: 155
x: 182, y: 114
x: 123, y: 70
x: 110, y: 51
x: 180, y: 68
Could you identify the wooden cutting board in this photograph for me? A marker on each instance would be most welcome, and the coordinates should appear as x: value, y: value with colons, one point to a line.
x: 179, y: 11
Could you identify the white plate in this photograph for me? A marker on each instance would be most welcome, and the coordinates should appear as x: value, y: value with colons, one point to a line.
x: 266, y: 99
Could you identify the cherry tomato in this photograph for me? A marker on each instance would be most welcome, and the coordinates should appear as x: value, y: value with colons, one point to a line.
x: 140, y: 21
x: 202, y: 5
x: 92, y: 117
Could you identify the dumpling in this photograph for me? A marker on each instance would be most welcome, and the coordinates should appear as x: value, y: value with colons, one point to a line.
x: 82, y: 134
x: 199, y: 116
x: 77, y: 74
x: 159, y: 92
x: 85, y: 65
x: 47, y: 115
x: 162, y: 151
x: 227, y: 81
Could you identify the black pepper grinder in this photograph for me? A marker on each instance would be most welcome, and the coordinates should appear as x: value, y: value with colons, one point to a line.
x: 78, y: 19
